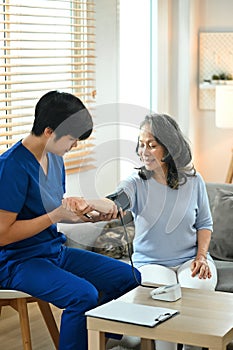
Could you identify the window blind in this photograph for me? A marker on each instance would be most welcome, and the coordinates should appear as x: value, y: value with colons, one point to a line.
x: 45, y: 45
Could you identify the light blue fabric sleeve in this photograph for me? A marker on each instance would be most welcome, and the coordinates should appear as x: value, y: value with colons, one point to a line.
x: 204, y: 217
x: 135, y: 188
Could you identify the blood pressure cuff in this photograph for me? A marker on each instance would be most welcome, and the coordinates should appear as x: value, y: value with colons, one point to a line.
x: 120, y: 198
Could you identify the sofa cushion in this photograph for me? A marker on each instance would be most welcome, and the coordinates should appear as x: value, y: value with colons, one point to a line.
x: 81, y: 235
x: 225, y: 276
x: 212, y: 188
x: 221, y: 245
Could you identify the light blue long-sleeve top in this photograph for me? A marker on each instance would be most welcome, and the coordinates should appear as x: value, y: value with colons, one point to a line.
x: 167, y: 220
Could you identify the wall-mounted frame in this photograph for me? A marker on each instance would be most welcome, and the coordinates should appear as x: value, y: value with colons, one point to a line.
x: 215, y: 58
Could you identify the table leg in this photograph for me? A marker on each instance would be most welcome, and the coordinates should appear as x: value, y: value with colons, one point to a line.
x: 147, y: 344
x: 96, y: 340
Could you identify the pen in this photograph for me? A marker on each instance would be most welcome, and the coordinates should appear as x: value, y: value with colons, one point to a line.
x: 88, y: 216
x: 163, y: 317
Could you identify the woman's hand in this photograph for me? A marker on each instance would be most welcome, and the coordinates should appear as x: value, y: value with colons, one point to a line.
x: 200, y: 266
x: 95, y: 216
x: 104, y: 206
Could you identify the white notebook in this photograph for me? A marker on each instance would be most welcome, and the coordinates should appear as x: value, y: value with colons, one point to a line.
x: 145, y: 315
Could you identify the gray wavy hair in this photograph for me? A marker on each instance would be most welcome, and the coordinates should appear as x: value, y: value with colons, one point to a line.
x: 178, y: 155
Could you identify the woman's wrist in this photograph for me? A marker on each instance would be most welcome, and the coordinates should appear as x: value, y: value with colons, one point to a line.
x: 201, y: 255
x: 102, y: 205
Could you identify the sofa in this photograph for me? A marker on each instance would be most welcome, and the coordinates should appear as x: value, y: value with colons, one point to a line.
x: 87, y: 235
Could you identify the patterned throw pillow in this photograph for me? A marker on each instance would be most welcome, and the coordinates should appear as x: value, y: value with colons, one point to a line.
x: 113, y: 241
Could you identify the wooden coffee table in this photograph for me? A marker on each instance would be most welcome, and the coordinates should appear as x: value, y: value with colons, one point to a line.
x: 205, y: 320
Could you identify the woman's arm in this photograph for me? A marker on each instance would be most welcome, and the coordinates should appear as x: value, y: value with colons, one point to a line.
x: 102, y: 205
x: 200, y: 265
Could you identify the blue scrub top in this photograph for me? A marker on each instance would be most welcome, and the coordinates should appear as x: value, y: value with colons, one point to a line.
x: 26, y: 190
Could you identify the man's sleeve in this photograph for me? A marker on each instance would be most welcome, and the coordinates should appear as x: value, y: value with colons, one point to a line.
x: 13, y: 186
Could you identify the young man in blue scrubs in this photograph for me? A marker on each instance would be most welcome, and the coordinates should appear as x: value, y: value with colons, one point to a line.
x: 33, y: 257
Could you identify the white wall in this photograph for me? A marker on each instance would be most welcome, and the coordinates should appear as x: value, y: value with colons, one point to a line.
x: 174, y: 79
x: 135, y: 68
x: 123, y: 80
x: 185, y: 18
x: 213, y: 144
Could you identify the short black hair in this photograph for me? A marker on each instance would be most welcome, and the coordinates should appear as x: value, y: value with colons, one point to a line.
x: 64, y: 113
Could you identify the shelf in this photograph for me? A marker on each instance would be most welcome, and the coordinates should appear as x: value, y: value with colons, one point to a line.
x: 207, y: 86
x: 215, y: 58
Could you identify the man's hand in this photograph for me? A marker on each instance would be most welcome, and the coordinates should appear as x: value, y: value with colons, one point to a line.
x: 78, y: 206
x: 91, y: 210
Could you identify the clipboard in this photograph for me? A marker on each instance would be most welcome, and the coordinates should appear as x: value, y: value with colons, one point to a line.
x: 143, y: 315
